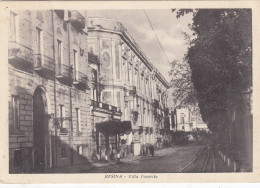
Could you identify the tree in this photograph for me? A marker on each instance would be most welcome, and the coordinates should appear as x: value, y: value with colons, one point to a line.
x: 220, y: 60
x: 183, y: 90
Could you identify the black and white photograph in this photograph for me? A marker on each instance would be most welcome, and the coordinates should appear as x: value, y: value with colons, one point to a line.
x: 130, y: 91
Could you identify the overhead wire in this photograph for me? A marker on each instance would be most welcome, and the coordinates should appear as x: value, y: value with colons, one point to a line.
x: 156, y: 36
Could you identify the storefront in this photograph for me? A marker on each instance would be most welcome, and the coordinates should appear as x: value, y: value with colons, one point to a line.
x: 108, y: 134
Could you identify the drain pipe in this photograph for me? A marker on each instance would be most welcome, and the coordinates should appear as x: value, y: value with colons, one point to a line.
x: 71, y: 125
x: 54, y: 90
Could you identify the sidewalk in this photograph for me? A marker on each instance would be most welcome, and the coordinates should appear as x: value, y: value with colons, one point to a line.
x: 77, y: 168
x: 220, y: 165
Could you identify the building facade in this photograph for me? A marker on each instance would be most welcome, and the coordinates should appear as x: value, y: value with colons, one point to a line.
x: 129, y: 82
x: 66, y: 80
x: 183, y: 119
x: 197, y: 122
x: 49, y: 90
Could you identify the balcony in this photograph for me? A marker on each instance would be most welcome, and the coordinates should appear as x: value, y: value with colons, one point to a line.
x: 64, y: 73
x: 80, y: 80
x: 132, y: 90
x: 93, y: 59
x: 166, y: 111
x: 106, y: 108
x: 20, y: 56
x: 44, y: 65
x: 129, y: 98
x: 155, y: 103
x: 76, y: 19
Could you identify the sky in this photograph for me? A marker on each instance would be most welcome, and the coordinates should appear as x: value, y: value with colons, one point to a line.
x: 166, y: 26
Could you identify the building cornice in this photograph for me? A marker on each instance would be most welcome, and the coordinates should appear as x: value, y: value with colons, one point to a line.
x: 120, y: 29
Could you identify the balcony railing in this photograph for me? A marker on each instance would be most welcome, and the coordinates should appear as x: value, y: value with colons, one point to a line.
x: 44, y: 64
x: 156, y: 103
x: 19, y: 55
x: 64, y: 73
x: 76, y: 19
x: 93, y: 59
x: 105, y: 106
x: 80, y: 80
x: 132, y: 90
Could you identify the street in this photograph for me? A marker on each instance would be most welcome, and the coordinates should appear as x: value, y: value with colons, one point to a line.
x: 169, y: 160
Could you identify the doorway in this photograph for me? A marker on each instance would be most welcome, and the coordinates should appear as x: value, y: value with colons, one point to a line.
x: 40, y: 131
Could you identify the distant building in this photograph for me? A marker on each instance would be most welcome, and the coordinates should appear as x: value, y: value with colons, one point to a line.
x: 197, y: 122
x: 183, y: 122
x: 182, y: 119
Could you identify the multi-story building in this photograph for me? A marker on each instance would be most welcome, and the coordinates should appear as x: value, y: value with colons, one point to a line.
x: 183, y: 119
x: 197, y: 122
x: 180, y: 119
x: 102, y: 112
x: 49, y: 94
x: 130, y: 82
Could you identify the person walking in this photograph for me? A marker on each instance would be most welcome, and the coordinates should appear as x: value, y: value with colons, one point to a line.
x: 151, y: 148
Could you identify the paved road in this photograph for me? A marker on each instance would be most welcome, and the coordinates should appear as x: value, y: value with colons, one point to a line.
x: 169, y: 160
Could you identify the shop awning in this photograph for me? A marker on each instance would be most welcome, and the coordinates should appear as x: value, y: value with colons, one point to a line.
x: 113, y: 127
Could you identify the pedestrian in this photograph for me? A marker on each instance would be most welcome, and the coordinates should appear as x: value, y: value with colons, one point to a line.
x: 151, y: 147
x: 141, y: 153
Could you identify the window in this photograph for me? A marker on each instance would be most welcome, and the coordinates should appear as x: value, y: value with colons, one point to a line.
x: 91, y: 48
x: 63, y: 153
x: 106, y: 97
x: 131, y: 74
x: 39, y: 40
x: 182, y: 118
x: 150, y: 87
x: 142, y: 84
x: 75, y: 64
x: 128, y: 72
x: 16, y: 113
x: 62, y: 115
x: 146, y: 86
x: 138, y: 81
x: 95, y: 89
x: 79, y: 150
x: 135, y: 79
x: 14, y: 27
x: 78, y: 120
x: 118, y: 98
x: 60, y: 59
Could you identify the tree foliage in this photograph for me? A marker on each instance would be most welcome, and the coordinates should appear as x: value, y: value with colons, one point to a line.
x: 220, y: 60
x: 183, y: 90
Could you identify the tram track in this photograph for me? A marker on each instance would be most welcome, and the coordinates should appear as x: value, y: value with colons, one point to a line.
x: 202, y: 162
